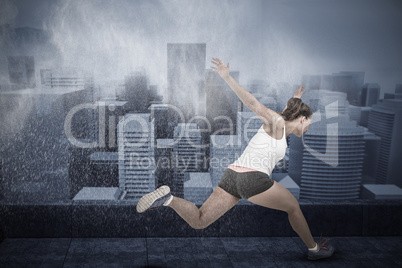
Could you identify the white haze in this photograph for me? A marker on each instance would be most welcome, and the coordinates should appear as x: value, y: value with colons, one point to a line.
x: 273, y: 40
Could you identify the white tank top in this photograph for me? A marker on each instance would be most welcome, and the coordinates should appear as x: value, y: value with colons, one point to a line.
x: 263, y: 152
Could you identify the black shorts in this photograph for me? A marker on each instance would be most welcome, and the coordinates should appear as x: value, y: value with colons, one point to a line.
x: 245, y: 184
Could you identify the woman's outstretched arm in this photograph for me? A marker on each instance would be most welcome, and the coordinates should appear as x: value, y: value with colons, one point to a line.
x: 267, y: 116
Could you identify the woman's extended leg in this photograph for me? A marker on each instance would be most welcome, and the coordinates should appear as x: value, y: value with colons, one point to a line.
x: 278, y: 197
x: 214, y: 207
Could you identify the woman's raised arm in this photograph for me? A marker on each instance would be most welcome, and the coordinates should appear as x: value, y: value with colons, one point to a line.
x: 267, y: 116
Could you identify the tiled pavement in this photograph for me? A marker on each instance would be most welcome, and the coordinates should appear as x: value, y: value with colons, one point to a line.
x: 196, y: 252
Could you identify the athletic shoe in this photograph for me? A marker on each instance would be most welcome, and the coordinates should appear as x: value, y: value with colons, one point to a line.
x: 324, y: 251
x: 154, y: 199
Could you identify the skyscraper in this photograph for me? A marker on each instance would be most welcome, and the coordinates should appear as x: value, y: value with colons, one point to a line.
x: 349, y: 83
x: 187, y: 153
x: 160, y: 113
x: 385, y: 121
x: 221, y: 103
x: 186, y: 78
x: 372, y: 145
x: 106, y: 116
x: 137, y: 92
x: 369, y: 94
x: 332, y: 103
x: 136, y: 155
x: 164, y: 172
x: 32, y: 123
x: 329, y: 163
x: 359, y: 114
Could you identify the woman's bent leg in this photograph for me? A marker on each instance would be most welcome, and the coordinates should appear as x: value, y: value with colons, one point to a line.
x: 278, y: 197
x: 213, y: 208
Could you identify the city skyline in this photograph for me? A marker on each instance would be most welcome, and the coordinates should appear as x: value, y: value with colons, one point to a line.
x: 328, y: 99
x: 92, y: 102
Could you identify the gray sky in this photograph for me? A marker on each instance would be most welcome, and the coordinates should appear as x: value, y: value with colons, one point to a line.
x: 274, y: 40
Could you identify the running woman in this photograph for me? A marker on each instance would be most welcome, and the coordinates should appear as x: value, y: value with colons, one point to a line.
x: 248, y: 177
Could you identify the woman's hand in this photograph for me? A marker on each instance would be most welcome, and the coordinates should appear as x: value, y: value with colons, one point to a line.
x: 299, y: 92
x: 222, y: 70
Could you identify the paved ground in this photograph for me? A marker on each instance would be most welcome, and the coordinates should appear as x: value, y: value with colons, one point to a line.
x: 196, y: 252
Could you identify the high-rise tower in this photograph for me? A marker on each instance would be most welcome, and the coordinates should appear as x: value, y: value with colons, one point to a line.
x: 136, y: 156
x: 385, y: 121
x: 186, y: 78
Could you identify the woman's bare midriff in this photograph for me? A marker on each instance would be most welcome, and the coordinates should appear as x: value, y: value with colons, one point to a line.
x: 240, y: 169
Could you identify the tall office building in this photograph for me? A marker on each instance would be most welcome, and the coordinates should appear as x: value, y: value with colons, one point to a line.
x: 327, y: 163
x: 369, y: 94
x: 187, y: 153
x: 186, y: 78
x: 85, y: 117
x: 166, y: 119
x: 107, y: 114
x: 160, y: 112
x: 359, y: 114
x: 326, y: 103
x: 385, y: 121
x: 136, y: 155
x: 164, y: 172
x: 33, y: 137
x: 154, y: 97
x: 372, y: 145
x: 332, y: 103
x: 349, y: 83
x: 221, y: 103
x: 137, y: 92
